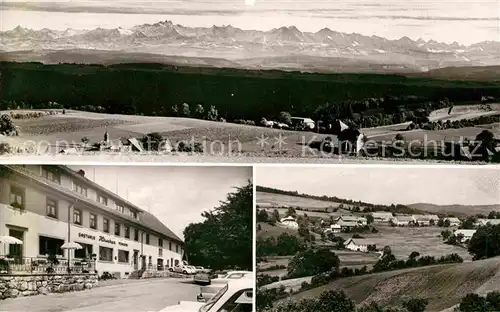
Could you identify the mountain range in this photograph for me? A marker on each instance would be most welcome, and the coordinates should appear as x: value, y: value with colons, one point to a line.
x: 282, y: 48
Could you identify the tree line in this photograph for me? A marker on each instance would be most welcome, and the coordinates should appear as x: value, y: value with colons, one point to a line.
x: 367, y: 207
x: 158, y: 89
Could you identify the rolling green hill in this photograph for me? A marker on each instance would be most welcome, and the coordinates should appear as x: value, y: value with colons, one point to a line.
x: 442, y: 285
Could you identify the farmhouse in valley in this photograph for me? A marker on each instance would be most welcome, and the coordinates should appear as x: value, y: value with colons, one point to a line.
x: 484, y: 222
x: 355, y: 219
x: 382, y: 216
x: 289, y: 222
x: 336, y: 228
x: 453, y: 221
x: 467, y: 234
x: 358, y: 244
x: 425, y: 219
x: 403, y: 220
x: 347, y: 225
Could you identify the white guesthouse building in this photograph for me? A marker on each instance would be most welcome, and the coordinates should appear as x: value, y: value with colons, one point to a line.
x: 358, y: 244
x: 38, y: 202
x: 466, y: 234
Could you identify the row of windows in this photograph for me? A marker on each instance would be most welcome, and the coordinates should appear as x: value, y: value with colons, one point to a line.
x: 104, y: 201
x: 52, y: 246
x: 17, y: 199
x: 48, y: 246
x: 56, y: 178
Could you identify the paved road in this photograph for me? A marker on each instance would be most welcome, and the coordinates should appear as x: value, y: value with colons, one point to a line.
x: 134, y: 295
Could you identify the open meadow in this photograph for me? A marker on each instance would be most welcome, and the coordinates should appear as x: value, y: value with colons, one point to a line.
x: 404, y: 240
x: 60, y: 131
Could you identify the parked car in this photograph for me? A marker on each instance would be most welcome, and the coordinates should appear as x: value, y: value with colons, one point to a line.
x: 231, y: 275
x: 202, y: 278
x: 184, y: 269
x: 234, y: 296
x: 208, y: 292
x: 200, y: 269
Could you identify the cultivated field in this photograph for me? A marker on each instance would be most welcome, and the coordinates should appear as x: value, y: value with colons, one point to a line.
x: 280, y: 200
x: 268, y: 230
x: 310, y: 214
x: 442, y: 285
x: 404, y: 240
x: 312, y: 207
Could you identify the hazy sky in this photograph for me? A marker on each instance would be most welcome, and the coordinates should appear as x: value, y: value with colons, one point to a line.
x: 403, y: 185
x: 175, y: 195
x: 445, y: 20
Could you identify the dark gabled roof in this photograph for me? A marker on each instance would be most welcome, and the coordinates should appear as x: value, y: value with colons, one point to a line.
x: 153, y: 223
x: 146, y: 219
x: 99, y: 187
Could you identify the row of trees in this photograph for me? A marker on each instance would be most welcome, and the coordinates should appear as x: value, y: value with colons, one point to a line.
x: 367, y: 207
x: 337, y: 301
x: 388, y: 262
x: 284, y: 245
x: 463, y: 123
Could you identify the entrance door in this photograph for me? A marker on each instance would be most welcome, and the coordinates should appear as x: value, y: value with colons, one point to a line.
x: 16, y: 251
x: 143, y: 265
x: 136, y: 259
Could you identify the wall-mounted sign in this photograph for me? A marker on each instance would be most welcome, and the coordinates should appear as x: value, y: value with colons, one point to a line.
x: 87, y: 236
x: 105, y: 240
x: 122, y: 244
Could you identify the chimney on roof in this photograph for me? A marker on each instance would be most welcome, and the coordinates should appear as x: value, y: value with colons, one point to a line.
x: 81, y: 172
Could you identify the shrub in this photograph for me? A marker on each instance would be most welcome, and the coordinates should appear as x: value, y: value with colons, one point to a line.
x: 152, y: 141
x: 415, y: 304
x: 285, y: 117
x: 7, y: 126
x: 106, y: 276
x: 473, y: 303
x: 213, y: 114
x: 5, y: 148
x: 245, y: 122
x: 189, y: 147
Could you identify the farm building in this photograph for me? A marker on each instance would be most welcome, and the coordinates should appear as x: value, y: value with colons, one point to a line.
x: 336, y: 228
x: 453, y: 221
x: 425, y: 219
x: 289, y: 222
x: 264, y: 205
x: 467, y: 234
x: 403, y: 220
x: 382, y: 216
x: 358, y: 244
x: 347, y: 225
x: 355, y: 219
x: 484, y: 222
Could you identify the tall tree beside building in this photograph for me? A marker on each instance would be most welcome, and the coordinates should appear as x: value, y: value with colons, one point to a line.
x: 224, y: 239
x: 485, y: 243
